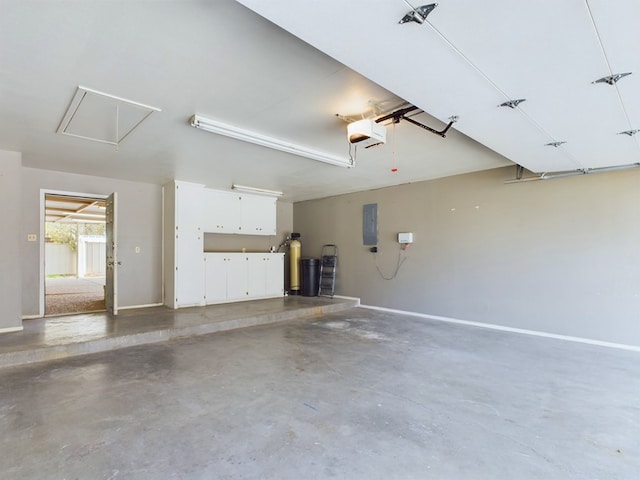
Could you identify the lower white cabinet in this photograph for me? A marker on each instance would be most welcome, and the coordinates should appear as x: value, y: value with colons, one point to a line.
x: 231, y: 277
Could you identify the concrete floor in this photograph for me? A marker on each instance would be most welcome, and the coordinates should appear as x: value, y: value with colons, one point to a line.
x: 358, y: 394
x: 66, y: 295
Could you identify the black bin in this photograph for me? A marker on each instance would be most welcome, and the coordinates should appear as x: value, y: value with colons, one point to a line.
x: 310, y: 276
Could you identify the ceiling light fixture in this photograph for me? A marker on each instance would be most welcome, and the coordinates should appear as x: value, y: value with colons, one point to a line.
x: 419, y: 14
x: 513, y: 103
x: 214, y: 126
x: 261, y: 191
x: 612, y: 79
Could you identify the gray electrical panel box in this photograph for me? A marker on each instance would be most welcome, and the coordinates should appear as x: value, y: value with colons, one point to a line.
x: 370, y: 224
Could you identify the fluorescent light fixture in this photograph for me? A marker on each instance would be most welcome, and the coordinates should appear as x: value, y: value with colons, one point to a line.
x: 261, y: 191
x: 232, y: 131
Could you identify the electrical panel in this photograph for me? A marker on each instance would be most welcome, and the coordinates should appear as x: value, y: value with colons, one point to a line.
x: 370, y: 224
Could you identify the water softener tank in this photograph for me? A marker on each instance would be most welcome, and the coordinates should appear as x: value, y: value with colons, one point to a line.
x: 294, y: 259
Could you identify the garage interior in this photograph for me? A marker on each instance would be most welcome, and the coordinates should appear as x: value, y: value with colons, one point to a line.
x: 485, y: 317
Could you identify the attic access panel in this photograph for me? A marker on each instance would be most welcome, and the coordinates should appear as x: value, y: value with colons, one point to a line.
x: 101, y: 117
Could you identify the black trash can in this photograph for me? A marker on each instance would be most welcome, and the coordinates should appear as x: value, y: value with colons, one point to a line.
x: 310, y: 276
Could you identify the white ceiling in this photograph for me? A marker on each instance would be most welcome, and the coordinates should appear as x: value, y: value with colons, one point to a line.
x: 471, y: 56
x: 221, y: 60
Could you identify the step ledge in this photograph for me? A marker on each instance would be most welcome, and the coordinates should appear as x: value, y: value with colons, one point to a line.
x: 46, y: 353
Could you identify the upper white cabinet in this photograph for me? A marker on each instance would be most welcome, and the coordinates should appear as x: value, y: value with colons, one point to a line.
x: 229, y: 212
x: 221, y: 212
x: 258, y: 215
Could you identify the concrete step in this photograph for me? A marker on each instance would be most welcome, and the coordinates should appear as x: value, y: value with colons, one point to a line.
x: 54, y: 338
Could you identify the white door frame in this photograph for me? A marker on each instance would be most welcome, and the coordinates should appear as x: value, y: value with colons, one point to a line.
x: 43, y: 193
x: 111, y: 273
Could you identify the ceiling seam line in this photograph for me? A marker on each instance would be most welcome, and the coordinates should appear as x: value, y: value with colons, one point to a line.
x: 597, y: 32
x: 502, y: 92
x: 575, y: 161
x: 606, y: 59
x: 468, y: 60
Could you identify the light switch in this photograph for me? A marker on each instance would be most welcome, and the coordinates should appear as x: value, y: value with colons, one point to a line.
x: 137, y: 249
x: 32, y: 237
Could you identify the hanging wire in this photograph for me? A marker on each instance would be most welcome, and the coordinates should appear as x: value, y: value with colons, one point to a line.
x: 394, y: 166
x: 352, y: 159
x: 401, y: 260
x: 117, y: 127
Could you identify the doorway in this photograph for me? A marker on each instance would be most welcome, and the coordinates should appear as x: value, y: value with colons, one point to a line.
x: 75, y: 254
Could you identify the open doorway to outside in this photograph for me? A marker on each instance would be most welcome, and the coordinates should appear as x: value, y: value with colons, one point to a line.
x: 75, y: 254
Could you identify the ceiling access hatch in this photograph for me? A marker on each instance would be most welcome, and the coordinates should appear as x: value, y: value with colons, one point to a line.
x: 101, y: 117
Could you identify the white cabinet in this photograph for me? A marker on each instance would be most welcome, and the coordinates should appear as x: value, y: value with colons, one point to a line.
x: 184, y: 244
x: 229, y: 212
x: 221, y: 212
x: 231, y: 277
x: 274, y: 279
x: 190, y: 210
x: 258, y: 215
x: 215, y: 279
x: 237, y: 277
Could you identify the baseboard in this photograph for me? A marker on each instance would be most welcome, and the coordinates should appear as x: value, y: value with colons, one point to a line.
x: 131, y: 307
x: 343, y: 297
x: 11, y: 329
x: 30, y: 317
x: 492, y: 326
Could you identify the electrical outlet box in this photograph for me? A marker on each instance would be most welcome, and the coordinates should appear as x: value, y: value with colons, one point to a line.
x: 405, y: 238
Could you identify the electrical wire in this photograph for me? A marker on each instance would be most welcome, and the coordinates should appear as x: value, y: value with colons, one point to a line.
x: 352, y: 159
x: 399, y: 263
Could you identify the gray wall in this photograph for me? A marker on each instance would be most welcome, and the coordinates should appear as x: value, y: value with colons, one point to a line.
x: 11, y: 240
x: 559, y: 256
x: 139, y: 217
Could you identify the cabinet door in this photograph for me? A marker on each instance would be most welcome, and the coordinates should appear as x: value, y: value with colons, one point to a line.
x: 257, y: 274
x: 189, y: 280
x: 258, y: 215
x: 274, y: 277
x: 221, y: 212
x: 215, y: 278
x: 237, y: 276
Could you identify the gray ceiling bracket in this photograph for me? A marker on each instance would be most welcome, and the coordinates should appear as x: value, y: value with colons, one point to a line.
x: 631, y: 133
x: 612, y: 79
x: 512, y: 103
x: 419, y: 15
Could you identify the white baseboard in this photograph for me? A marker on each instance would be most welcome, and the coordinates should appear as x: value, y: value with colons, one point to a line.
x: 11, y: 329
x: 348, y: 298
x: 492, y: 326
x: 131, y: 307
x: 30, y: 317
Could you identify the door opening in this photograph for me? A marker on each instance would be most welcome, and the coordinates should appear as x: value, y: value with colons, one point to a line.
x: 75, y: 254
